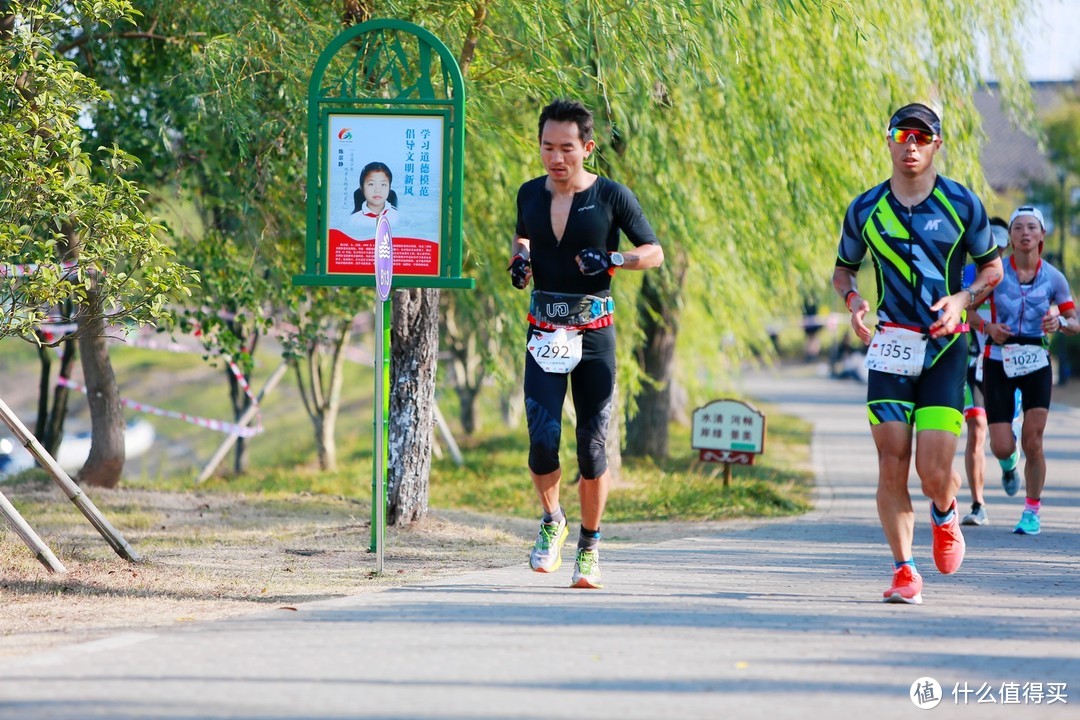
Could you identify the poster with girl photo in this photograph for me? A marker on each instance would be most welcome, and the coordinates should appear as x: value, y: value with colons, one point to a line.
x: 389, y: 166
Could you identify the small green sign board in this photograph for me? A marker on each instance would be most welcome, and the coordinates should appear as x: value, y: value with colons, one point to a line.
x: 728, y: 431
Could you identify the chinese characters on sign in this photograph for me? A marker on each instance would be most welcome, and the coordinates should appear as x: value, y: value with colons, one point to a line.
x: 384, y: 167
x: 418, y: 184
x: 728, y: 431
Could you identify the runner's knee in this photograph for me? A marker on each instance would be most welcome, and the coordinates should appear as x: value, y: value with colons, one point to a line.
x: 544, y: 432
x: 592, y: 442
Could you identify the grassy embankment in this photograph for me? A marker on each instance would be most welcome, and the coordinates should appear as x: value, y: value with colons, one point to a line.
x: 493, y: 478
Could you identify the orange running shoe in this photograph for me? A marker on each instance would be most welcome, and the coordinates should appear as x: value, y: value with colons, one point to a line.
x: 948, y: 544
x: 906, y: 587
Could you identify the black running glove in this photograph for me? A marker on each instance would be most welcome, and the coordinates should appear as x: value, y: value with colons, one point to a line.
x: 593, y: 262
x: 520, y: 270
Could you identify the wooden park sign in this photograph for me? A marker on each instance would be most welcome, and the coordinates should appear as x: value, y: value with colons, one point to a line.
x: 386, y: 158
x: 728, y: 431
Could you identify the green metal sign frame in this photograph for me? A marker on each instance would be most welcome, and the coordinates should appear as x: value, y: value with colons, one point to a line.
x: 383, y: 69
x: 387, y: 82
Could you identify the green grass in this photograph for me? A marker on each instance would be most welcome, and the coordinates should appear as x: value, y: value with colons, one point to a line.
x: 494, y: 477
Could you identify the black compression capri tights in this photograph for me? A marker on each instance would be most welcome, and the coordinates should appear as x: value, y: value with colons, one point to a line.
x: 592, y: 383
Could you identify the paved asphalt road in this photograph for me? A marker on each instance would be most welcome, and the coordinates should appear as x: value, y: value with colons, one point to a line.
x: 771, y: 619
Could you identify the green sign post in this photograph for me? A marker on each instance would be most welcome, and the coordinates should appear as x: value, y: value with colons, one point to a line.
x: 386, y: 144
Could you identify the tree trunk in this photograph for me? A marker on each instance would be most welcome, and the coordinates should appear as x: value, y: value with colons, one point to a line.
x: 614, y: 439
x: 510, y: 407
x: 322, y: 401
x: 647, y: 431
x: 330, y: 405
x: 49, y: 428
x: 467, y: 396
x: 239, y: 399
x: 468, y: 372
x: 414, y: 348
x: 106, y: 459
x: 240, y: 403
x: 44, y: 386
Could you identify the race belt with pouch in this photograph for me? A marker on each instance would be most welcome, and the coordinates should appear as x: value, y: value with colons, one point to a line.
x: 569, y: 310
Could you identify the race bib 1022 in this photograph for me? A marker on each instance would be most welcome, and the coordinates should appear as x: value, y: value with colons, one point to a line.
x: 1018, y: 360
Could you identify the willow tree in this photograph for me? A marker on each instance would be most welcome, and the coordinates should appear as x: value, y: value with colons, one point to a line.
x: 766, y: 143
x: 744, y: 127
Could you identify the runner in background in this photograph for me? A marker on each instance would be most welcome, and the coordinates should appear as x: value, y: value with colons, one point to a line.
x: 974, y: 408
x: 1018, y: 355
x: 918, y: 226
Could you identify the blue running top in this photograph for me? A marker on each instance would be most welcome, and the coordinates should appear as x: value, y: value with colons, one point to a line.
x: 1022, y: 306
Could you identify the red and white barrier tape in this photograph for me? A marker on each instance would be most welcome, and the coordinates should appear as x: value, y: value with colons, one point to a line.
x: 29, y: 269
x: 173, y: 347
x: 209, y: 423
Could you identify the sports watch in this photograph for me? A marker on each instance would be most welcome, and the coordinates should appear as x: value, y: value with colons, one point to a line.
x: 617, y: 259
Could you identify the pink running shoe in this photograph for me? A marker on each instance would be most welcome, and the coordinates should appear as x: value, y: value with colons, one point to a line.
x: 906, y: 587
x: 948, y: 544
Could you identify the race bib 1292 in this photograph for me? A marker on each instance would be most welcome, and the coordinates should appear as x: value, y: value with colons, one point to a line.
x: 557, y: 351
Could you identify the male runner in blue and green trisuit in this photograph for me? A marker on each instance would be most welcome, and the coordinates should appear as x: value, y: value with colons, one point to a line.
x: 918, y: 227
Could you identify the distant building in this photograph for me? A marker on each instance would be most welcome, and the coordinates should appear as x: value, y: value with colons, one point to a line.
x: 1011, y: 158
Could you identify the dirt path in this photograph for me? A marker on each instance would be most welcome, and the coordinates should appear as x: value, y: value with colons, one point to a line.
x: 209, y: 556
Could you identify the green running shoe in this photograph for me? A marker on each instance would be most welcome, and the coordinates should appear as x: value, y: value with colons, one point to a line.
x: 546, y: 554
x: 1028, y: 525
x: 586, y: 570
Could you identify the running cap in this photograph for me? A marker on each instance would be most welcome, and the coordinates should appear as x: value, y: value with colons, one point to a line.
x: 1028, y: 210
x: 916, y: 116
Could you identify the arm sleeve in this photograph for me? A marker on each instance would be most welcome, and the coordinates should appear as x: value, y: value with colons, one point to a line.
x: 852, y: 247
x: 631, y: 219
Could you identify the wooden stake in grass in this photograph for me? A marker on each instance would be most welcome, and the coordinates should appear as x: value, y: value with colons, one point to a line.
x: 23, y: 530
x: 73, y: 491
x: 244, y: 420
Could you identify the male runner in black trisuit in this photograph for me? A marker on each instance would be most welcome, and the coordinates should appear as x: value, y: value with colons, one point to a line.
x: 567, y: 241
